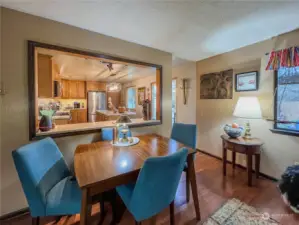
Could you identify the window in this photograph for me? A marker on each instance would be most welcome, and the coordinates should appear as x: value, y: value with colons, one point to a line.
x: 173, y: 110
x: 287, y: 99
x: 154, y: 100
x: 131, y: 98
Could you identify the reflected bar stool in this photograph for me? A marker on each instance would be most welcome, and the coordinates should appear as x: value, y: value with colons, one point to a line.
x: 185, y: 134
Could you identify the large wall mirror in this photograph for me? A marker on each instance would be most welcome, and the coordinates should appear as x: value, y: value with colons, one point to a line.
x: 73, y: 92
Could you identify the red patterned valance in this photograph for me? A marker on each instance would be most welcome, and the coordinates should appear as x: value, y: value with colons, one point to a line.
x: 288, y: 57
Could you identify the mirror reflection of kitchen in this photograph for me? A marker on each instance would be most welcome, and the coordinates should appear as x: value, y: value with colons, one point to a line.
x: 73, y: 88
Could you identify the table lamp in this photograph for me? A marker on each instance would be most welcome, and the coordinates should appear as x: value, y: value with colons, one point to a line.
x: 248, y: 108
x: 123, y: 120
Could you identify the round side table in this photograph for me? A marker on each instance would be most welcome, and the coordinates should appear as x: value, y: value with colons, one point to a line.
x: 249, y: 147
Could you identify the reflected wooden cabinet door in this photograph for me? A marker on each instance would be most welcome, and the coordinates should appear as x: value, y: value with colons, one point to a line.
x: 45, y: 84
x: 78, y: 116
x: 82, y: 116
x: 65, y: 88
x: 73, y: 89
x: 73, y: 116
x: 81, y: 89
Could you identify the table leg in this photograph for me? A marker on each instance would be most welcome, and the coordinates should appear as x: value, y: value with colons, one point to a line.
x: 249, y: 169
x: 257, y: 165
x: 234, y: 160
x: 171, y: 213
x: 85, y: 207
x: 224, y: 155
x: 192, y: 177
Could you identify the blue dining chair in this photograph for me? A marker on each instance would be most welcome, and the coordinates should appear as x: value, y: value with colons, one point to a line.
x: 49, y: 188
x: 155, y: 187
x: 185, y: 134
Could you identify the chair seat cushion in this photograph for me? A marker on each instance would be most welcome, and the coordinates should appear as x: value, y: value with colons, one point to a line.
x: 125, y: 192
x: 64, y: 198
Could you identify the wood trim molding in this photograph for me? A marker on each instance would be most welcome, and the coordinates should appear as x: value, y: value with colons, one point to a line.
x: 14, y: 214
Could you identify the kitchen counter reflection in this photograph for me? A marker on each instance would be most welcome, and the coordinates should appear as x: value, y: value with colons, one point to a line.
x: 111, y: 113
x: 70, y: 128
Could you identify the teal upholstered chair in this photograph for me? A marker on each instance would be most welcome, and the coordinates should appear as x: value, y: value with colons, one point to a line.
x: 46, y: 180
x: 155, y: 187
x: 185, y: 134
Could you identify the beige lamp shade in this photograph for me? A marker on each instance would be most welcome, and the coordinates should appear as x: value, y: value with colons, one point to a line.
x: 248, y: 107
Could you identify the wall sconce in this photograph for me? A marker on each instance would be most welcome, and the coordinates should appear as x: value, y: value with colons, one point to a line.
x: 185, y: 86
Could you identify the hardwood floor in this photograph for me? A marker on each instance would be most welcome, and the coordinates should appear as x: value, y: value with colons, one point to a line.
x: 213, y: 189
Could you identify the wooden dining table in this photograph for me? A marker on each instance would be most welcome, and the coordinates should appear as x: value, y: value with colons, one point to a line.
x: 100, y: 167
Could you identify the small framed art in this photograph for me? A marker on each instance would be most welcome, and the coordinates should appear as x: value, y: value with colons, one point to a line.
x: 246, y: 81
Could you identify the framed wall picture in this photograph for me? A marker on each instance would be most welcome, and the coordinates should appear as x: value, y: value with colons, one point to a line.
x: 217, y: 85
x: 246, y: 81
x: 141, y: 95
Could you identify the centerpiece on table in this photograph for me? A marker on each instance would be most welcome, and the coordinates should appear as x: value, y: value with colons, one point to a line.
x: 122, y: 134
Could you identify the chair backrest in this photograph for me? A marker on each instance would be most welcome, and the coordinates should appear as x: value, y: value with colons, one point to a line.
x: 157, y: 184
x: 185, y: 134
x: 107, y: 134
x: 40, y: 165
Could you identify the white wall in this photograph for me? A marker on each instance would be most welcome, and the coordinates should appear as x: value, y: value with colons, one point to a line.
x: 186, y: 113
x: 279, y: 150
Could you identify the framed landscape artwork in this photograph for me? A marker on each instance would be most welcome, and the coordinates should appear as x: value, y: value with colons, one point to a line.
x: 217, y: 85
x: 247, y: 81
x: 141, y: 95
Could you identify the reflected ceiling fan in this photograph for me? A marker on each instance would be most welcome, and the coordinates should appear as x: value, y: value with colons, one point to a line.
x: 111, y: 69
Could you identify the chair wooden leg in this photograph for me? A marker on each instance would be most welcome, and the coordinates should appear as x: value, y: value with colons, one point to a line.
x: 35, y: 220
x: 187, y: 186
x: 171, y: 207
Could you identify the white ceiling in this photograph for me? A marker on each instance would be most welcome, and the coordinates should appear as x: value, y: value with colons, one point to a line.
x: 190, y: 29
x: 91, y: 69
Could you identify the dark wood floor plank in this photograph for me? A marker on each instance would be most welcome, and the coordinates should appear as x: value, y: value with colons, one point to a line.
x: 213, y: 191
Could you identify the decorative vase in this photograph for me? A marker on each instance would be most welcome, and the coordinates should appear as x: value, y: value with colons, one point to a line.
x: 45, y: 123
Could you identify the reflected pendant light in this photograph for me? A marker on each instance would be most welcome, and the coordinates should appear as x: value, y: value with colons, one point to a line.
x: 113, y: 87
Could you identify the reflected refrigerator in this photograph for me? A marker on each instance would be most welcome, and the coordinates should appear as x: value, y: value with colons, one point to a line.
x: 96, y: 100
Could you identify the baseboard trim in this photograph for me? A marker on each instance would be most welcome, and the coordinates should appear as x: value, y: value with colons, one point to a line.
x: 238, y: 165
x: 14, y: 214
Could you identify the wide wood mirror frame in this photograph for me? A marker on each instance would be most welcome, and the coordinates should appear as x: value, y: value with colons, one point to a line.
x: 119, y: 84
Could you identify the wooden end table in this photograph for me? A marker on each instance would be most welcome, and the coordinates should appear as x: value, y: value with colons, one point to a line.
x: 249, y: 147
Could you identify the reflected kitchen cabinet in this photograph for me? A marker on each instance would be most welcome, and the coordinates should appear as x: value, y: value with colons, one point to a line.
x: 73, y: 89
x: 82, y: 116
x: 45, y: 84
x: 81, y: 89
x: 65, y: 89
x: 78, y: 116
x: 95, y: 86
x: 73, y: 92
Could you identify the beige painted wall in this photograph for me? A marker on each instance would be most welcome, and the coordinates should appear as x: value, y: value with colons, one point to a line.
x: 279, y: 150
x: 17, y: 28
x: 185, y: 113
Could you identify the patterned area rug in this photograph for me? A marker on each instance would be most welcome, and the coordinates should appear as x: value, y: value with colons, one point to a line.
x: 235, y: 212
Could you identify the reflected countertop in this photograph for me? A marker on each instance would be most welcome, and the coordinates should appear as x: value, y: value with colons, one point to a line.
x: 69, y: 128
x: 111, y: 113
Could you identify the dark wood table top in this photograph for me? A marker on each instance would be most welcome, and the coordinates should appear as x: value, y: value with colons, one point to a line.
x: 243, y: 141
x: 100, y: 161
